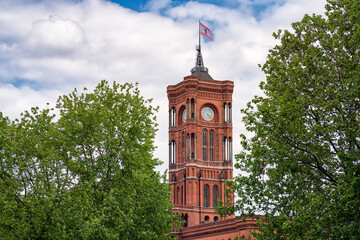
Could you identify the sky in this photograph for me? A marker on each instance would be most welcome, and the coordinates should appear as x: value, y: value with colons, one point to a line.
x: 50, y: 47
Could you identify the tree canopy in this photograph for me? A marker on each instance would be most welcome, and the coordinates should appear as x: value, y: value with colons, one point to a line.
x: 87, y: 173
x: 301, y: 167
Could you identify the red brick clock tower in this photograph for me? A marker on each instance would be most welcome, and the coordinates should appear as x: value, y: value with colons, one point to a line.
x: 200, y: 144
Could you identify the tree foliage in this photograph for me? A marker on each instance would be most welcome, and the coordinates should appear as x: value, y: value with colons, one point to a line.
x: 302, y: 165
x: 86, y: 174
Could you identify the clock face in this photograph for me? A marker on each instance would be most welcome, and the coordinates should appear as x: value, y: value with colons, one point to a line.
x: 184, y: 115
x: 207, y: 113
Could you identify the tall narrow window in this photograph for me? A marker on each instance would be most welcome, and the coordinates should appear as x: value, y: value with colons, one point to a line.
x: 193, y: 108
x: 204, y: 145
x: 227, y: 149
x: 215, y: 195
x: 227, y: 112
x: 206, y: 196
x: 182, y: 196
x: 172, y: 117
x: 178, y: 196
x: 211, y: 145
x: 231, y: 153
x: 183, y: 152
x: 230, y: 150
x: 193, y: 144
x: 188, y: 146
x: 172, y: 152
x: 188, y: 108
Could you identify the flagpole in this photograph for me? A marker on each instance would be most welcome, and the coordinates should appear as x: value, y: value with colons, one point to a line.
x: 199, y: 36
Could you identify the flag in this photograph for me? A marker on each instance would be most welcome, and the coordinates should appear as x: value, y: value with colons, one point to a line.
x: 205, y: 31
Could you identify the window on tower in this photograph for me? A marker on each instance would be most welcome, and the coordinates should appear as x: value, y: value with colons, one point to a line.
x: 192, y: 145
x: 178, y: 196
x: 183, y: 152
x: 172, y: 117
x: 181, y: 200
x: 188, y: 144
x: 227, y: 149
x: 227, y: 112
x: 206, y: 195
x: 172, y: 152
x: 204, y: 145
x: 215, y: 195
x: 193, y: 108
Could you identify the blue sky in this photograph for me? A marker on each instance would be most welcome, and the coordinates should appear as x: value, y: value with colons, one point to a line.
x: 140, y: 5
x: 255, y: 7
x: 50, y: 47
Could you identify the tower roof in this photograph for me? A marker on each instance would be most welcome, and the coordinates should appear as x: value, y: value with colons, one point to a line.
x: 199, y: 70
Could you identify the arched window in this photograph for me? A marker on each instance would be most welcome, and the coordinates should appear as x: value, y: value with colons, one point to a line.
x: 227, y: 149
x: 211, y: 145
x: 182, y: 218
x: 227, y: 112
x: 204, y: 145
x: 193, y: 144
x: 182, y: 196
x: 206, y: 196
x: 230, y: 150
x: 172, y: 117
x: 216, y: 218
x: 172, y: 152
x: 178, y: 196
x: 215, y: 195
x: 226, y: 153
x: 186, y: 220
x: 193, y: 108
x: 188, y: 108
x: 187, y: 146
x: 206, y: 218
x: 183, y: 152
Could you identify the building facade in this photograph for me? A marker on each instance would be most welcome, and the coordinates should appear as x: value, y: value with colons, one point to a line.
x: 201, y: 151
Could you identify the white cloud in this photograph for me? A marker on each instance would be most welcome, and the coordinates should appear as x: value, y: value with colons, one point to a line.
x: 60, y: 45
x: 55, y: 36
x: 14, y: 101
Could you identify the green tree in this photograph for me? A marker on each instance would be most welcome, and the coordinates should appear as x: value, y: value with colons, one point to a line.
x: 301, y: 167
x: 86, y: 174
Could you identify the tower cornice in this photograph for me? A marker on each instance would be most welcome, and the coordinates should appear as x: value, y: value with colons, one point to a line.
x: 201, y: 88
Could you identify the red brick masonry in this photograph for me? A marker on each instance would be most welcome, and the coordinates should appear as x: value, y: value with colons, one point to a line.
x: 220, y: 230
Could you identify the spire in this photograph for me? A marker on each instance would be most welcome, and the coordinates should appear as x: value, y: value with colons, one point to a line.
x: 199, y: 59
x: 199, y: 70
